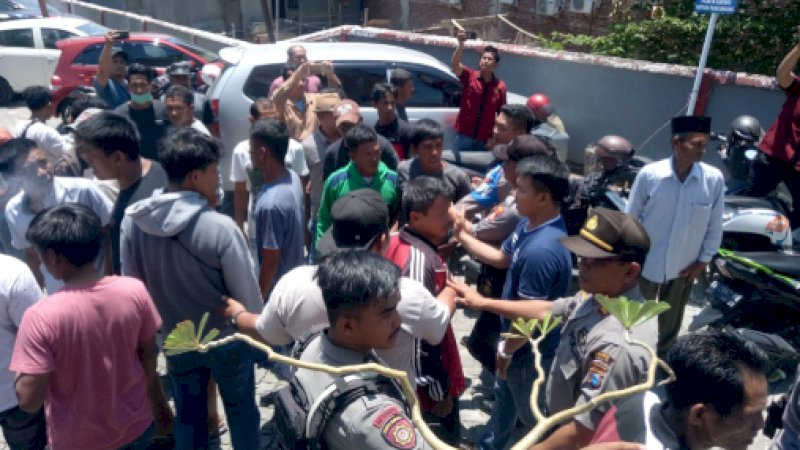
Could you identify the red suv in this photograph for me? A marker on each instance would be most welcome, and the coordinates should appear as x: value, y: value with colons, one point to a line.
x: 77, y: 65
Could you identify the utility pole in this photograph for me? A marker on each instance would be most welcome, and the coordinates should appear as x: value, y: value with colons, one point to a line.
x: 266, y: 11
x: 43, y: 8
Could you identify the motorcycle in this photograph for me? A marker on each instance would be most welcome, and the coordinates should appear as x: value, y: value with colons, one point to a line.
x: 757, y: 295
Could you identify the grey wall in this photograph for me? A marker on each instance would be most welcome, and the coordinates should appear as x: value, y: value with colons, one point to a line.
x: 595, y: 100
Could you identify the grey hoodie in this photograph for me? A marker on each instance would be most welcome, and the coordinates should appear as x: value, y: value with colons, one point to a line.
x: 189, y: 256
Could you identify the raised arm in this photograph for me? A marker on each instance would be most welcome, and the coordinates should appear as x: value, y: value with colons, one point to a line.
x: 484, y: 252
x: 785, y: 72
x: 527, y: 309
x: 104, y: 65
x: 281, y: 94
x: 455, y: 62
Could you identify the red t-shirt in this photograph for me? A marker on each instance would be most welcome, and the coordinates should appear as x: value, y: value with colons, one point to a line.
x: 86, y: 338
x: 782, y: 139
x: 475, y: 92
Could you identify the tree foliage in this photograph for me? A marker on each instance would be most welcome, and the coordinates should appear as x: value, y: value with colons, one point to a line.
x: 754, y: 40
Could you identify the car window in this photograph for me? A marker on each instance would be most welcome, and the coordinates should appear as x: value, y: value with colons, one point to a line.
x: 259, y: 80
x: 90, y: 55
x: 93, y: 29
x: 358, y: 78
x: 433, y: 88
x: 50, y: 36
x: 153, y: 55
x: 22, y: 37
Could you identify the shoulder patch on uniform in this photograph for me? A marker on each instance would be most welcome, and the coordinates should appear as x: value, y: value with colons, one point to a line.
x: 395, y: 428
x: 601, y: 364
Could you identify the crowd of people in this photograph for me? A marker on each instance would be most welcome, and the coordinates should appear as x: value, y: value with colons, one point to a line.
x: 338, y: 238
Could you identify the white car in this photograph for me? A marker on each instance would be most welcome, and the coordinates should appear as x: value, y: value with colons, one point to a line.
x: 28, y: 52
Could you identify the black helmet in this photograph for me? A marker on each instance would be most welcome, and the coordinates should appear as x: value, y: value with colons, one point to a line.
x: 746, y: 128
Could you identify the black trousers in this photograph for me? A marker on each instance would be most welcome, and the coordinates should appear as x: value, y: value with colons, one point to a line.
x: 764, y: 178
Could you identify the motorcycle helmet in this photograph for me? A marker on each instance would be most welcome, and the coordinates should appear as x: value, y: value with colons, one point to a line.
x: 611, y: 151
x: 540, y: 105
x: 745, y: 128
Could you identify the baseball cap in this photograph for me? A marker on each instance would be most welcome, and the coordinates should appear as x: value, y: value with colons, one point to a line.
x: 347, y: 111
x: 359, y: 217
x: 522, y: 146
x: 607, y: 233
x: 326, y: 102
x: 179, y: 68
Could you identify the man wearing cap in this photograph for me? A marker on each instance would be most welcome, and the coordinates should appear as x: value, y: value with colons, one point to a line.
x: 296, y: 106
x: 296, y: 307
x: 245, y: 178
x: 679, y: 200
x: 314, y: 148
x: 180, y: 74
x: 347, y: 115
x: 538, y: 267
x: 593, y: 355
x: 110, y: 83
x: 365, y: 170
x: 296, y: 55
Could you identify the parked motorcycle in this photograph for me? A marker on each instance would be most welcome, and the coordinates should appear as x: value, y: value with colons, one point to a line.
x: 757, y: 295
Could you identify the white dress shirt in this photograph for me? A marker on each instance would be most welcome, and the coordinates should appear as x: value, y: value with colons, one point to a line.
x: 684, y: 220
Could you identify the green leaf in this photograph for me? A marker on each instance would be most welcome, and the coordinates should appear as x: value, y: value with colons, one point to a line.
x: 650, y: 309
x: 203, y: 321
x: 631, y: 312
x: 212, y: 333
x: 181, y: 340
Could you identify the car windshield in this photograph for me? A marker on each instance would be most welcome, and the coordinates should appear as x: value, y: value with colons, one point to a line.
x: 207, y: 55
x: 92, y: 29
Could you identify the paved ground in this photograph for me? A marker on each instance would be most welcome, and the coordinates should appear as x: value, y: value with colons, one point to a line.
x: 472, y: 416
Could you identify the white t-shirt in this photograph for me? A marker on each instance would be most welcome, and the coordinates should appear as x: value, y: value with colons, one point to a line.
x: 47, y: 138
x: 18, y: 291
x: 64, y: 190
x: 296, y: 308
x: 295, y: 160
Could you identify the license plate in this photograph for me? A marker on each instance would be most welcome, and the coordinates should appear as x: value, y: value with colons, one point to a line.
x: 721, y: 294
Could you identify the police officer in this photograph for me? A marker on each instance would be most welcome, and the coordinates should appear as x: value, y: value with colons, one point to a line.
x: 593, y: 356
x: 361, y: 292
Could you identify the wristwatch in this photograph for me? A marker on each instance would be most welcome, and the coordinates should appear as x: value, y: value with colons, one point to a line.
x: 234, y: 317
x: 501, y: 350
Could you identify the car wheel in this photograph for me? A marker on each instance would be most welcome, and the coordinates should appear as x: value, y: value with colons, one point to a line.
x: 6, y: 93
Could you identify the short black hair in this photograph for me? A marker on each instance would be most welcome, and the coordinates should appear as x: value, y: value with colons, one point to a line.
x: 70, y: 230
x: 399, y: 77
x: 260, y: 102
x: 494, y: 51
x: 547, y: 174
x: 274, y: 135
x: 37, y: 97
x: 707, y: 366
x: 380, y: 90
x: 519, y: 116
x: 181, y: 92
x: 13, y: 153
x: 186, y: 150
x: 110, y: 132
x: 425, y: 129
x: 359, y: 134
x: 82, y: 104
x: 420, y: 193
x: 140, y: 69
x: 353, y: 280
x: 121, y: 54
x: 286, y: 69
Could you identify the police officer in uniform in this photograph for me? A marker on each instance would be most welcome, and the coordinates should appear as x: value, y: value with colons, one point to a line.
x: 593, y: 356
x: 361, y: 292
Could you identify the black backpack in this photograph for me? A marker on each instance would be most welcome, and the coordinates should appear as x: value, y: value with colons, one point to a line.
x: 300, y: 425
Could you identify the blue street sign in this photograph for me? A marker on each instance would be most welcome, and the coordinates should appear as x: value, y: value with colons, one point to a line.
x: 716, y: 6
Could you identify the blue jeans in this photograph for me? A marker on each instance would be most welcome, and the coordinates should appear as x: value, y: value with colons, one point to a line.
x: 464, y: 143
x: 143, y: 441
x: 512, y: 401
x: 232, y: 367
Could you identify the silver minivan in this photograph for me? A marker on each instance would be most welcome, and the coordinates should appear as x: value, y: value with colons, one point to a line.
x: 249, y: 70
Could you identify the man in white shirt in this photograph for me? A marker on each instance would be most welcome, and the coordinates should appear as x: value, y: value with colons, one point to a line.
x: 680, y: 201
x: 296, y: 306
x: 40, y: 191
x: 18, y: 291
x: 244, y: 178
x: 40, y: 102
